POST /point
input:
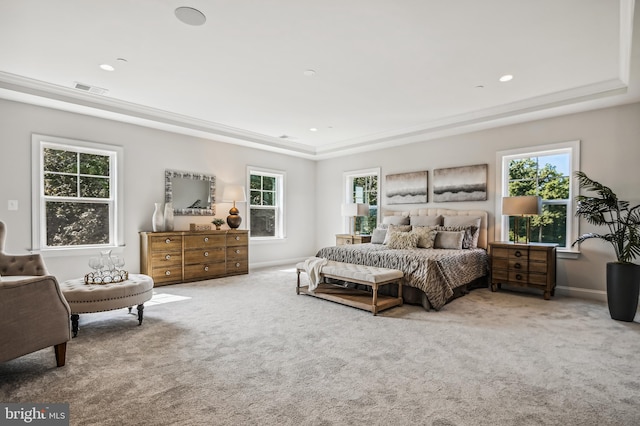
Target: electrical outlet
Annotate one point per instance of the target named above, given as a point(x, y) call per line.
point(12, 205)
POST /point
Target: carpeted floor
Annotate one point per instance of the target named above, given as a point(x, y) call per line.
point(247, 350)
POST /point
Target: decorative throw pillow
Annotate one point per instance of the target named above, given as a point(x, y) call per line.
point(403, 240)
point(378, 236)
point(426, 235)
point(425, 220)
point(394, 220)
point(395, 228)
point(471, 234)
point(449, 240)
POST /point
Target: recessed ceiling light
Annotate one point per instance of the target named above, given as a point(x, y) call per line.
point(107, 67)
point(190, 16)
point(309, 73)
point(313, 129)
point(506, 77)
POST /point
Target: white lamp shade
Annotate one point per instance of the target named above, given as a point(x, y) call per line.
point(525, 205)
point(355, 209)
point(233, 193)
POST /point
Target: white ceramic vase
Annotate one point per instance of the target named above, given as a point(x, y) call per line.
point(168, 216)
point(157, 220)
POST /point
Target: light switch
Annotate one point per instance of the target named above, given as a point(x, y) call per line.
point(13, 205)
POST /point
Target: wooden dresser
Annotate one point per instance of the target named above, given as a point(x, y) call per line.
point(524, 265)
point(181, 256)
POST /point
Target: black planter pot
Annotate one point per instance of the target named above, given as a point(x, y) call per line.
point(623, 286)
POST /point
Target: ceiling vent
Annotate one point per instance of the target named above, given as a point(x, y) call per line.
point(90, 89)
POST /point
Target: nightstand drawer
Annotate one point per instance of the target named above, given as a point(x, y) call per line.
point(518, 277)
point(522, 254)
point(539, 279)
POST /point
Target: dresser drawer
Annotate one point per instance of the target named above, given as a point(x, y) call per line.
point(538, 279)
point(167, 274)
point(237, 239)
point(166, 258)
point(518, 264)
point(499, 263)
point(203, 270)
point(238, 267)
point(203, 241)
point(172, 243)
point(237, 253)
point(538, 255)
point(499, 275)
point(538, 267)
point(212, 255)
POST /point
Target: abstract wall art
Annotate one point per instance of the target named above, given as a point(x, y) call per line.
point(467, 183)
point(407, 188)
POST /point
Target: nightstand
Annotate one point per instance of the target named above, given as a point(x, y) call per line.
point(343, 239)
point(524, 265)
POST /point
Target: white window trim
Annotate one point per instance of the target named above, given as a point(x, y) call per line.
point(502, 160)
point(346, 191)
point(281, 182)
point(39, 141)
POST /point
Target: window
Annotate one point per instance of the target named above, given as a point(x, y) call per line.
point(361, 186)
point(266, 198)
point(76, 197)
point(547, 172)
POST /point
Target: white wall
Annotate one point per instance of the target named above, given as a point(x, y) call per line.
point(610, 153)
point(147, 153)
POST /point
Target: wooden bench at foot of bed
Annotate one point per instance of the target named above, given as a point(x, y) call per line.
point(370, 276)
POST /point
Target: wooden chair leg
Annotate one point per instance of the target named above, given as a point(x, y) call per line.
point(61, 353)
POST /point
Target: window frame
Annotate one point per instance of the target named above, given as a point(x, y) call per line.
point(280, 176)
point(116, 214)
point(503, 158)
point(347, 179)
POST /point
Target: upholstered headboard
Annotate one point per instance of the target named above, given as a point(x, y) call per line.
point(482, 238)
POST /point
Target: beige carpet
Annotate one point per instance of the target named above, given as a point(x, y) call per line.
point(247, 350)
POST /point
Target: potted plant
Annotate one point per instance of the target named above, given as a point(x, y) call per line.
point(623, 222)
point(218, 222)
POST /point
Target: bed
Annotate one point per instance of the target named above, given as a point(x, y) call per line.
point(432, 276)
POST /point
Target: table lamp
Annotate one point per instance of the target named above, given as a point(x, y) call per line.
point(354, 210)
point(234, 193)
point(525, 205)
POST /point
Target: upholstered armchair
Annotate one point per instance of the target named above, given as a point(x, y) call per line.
point(33, 312)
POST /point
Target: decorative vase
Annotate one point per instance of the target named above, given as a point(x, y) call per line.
point(623, 287)
point(157, 220)
point(168, 216)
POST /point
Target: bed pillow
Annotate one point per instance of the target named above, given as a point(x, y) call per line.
point(395, 228)
point(449, 240)
point(378, 236)
point(403, 240)
point(394, 220)
point(426, 235)
point(461, 221)
point(471, 234)
point(425, 220)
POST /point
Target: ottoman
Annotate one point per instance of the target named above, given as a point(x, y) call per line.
point(90, 298)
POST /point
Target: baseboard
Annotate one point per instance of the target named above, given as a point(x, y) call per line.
point(281, 262)
point(583, 293)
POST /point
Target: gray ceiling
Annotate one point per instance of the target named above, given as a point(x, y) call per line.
point(386, 71)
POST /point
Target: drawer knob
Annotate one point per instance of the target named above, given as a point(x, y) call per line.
point(206, 268)
point(517, 266)
point(518, 254)
point(518, 277)
point(168, 240)
point(168, 257)
point(167, 273)
point(237, 238)
point(348, 242)
point(206, 239)
point(237, 265)
point(237, 251)
point(206, 253)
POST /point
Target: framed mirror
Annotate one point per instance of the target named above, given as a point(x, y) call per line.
point(192, 194)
